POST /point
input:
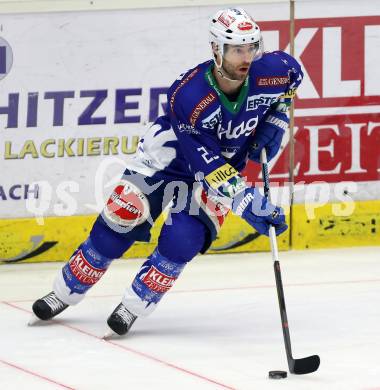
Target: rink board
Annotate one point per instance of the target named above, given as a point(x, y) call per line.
point(313, 227)
point(328, 229)
point(57, 238)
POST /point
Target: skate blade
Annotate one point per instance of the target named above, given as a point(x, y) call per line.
point(33, 320)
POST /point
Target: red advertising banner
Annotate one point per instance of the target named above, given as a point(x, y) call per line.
point(337, 109)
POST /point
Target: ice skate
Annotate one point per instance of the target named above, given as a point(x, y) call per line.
point(46, 308)
point(120, 321)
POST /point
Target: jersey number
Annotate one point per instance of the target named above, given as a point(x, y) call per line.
point(206, 155)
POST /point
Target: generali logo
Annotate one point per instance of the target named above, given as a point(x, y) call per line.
point(273, 81)
point(201, 106)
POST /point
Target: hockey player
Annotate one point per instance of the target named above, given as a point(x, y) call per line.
point(219, 114)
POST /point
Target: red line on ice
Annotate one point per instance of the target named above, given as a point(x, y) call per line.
point(34, 373)
point(258, 286)
point(134, 351)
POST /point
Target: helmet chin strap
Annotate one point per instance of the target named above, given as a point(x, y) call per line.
point(219, 68)
point(221, 74)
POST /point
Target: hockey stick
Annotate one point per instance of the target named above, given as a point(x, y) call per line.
point(296, 366)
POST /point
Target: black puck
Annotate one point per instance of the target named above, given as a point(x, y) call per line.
point(277, 374)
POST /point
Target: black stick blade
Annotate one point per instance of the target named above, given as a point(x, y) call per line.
point(305, 366)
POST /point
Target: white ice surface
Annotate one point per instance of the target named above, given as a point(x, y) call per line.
point(219, 328)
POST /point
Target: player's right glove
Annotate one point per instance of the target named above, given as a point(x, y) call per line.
point(259, 212)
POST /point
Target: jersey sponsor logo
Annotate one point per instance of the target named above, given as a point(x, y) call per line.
point(186, 128)
point(234, 186)
point(127, 205)
point(213, 119)
point(83, 270)
point(244, 129)
point(226, 19)
point(221, 175)
point(158, 281)
point(254, 101)
point(201, 106)
point(180, 85)
point(272, 81)
point(245, 26)
point(289, 94)
point(283, 107)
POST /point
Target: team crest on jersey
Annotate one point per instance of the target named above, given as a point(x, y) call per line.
point(212, 121)
point(244, 129)
point(127, 205)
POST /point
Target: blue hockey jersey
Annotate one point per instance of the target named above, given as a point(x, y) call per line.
point(203, 136)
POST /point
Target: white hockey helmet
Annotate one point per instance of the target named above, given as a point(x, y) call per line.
point(234, 26)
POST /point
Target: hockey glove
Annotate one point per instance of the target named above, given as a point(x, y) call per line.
point(268, 134)
point(259, 212)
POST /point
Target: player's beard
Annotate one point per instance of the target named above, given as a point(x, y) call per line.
point(234, 72)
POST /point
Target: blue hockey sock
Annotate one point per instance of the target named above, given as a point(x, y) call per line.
point(85, 267)
point(177, 245)
point(156, 276)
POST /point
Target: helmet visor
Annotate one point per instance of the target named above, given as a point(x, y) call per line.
point(244, 53)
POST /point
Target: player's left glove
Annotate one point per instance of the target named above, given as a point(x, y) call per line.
point(269, 134)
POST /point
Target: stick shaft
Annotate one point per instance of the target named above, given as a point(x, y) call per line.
point(272, 232)
point(284, 317)
point(277, 269)
point(291, 126)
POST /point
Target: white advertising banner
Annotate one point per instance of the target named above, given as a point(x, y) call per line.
point(77, 90)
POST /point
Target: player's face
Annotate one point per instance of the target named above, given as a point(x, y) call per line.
point(238, 59)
